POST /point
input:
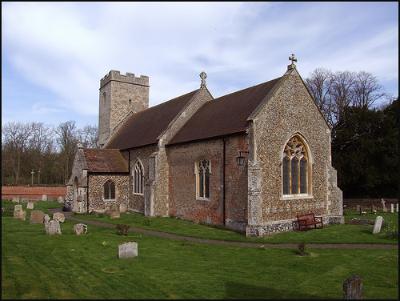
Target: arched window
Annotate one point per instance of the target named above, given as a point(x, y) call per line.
point(138, 178)
point(109, 190)
point(295, 169)
point(203, 171)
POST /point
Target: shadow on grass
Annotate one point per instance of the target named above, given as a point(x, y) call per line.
point(235, 290)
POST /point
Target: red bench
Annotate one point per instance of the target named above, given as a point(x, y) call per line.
point(308, 221)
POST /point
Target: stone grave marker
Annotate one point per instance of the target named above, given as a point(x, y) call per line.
point(384, 209)
point(397, 207)
point(358, 208)
point(128, 250)
point(44, 197)
point(113, 212)
point(352, 288)
point(46, 218)
point(37, 217)
point(15, 200)
point(378, 225)
point(391, 208)
point(60, 199)
point(122, 208)
point(53, 227)
point(59, 216)
point(373, 209)
point(30, 205)
point(80, 229)
point(19, 213)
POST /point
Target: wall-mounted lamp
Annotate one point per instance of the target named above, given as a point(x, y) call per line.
point(240, 159)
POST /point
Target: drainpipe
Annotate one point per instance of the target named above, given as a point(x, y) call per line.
point(87, 192)
point(223, 179)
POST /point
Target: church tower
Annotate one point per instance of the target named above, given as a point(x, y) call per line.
point(119, 96)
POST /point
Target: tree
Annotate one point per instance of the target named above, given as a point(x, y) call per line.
point(366, 90)
point(67, 142)
point(88, 136)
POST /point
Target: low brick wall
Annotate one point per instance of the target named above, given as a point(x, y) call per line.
point(352, 203)
point(33, 193)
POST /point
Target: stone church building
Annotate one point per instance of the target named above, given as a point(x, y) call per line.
point(249, 160)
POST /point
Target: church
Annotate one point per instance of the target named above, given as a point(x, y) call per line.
point(250, 161)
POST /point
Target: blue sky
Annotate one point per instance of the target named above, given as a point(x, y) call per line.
point(54, 54)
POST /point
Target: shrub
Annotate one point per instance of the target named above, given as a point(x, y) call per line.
point(122, 229)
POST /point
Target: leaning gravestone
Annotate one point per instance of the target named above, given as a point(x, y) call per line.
point(352, 288)
point(53, 227)
point(128, 250)
point(58, 216)
point(30, 205)
point(378, 225)
point(80, 229)
point(37, 217)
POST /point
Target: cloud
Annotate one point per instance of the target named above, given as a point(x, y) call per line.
point(65, 48)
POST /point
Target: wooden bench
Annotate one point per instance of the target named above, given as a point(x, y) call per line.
point(308, 221)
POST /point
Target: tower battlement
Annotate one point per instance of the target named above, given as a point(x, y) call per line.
point(115, 75)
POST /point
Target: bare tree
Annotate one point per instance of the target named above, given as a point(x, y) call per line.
point(367, 90)
point(88, 136)
point(67, 142)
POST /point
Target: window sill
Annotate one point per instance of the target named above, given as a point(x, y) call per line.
point(202, 199)
point(135, 193)
point(296, 197)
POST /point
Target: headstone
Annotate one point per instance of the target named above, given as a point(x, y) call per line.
point(122, 208)
point(60, 199)
point(128, 250)
point(19, 213)
point(37, 217)
point(352, 288)
point(359, 209)
point(53, 227)
point(58, 216)
point(384, 209)
point(30, 205)
point(80, 229)
point(114, 214)
point(391, 208)
point(15, 200)
point(397, 207)
point(46, 218)
point(44, 197)
point(373, 209)
point(378, 225)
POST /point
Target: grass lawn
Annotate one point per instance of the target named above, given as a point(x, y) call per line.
point(330, 234)
point(35, 265)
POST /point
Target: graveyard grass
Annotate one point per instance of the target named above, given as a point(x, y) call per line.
point(35, 265)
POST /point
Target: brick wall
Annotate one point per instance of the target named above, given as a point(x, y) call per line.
point(33, 193)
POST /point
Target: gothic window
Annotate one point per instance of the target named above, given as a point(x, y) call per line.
point(295, 168)
point(203, 171)
point(138, 178)
point(109, 190)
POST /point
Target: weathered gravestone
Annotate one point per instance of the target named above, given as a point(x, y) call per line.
point(378, 225)
point(30, 205)
point(19, 213)
point(397, 207)
point(391, 208)
point(122, 208)
point(128, 250)
point(60, 199)
point(352, 288)
point(15, 200)
point(80, 229)
point(44, 197)
point(46, 218)
point(384, 209)
point(358, 208)
point(113, 212)
point(52, 227)
point(58, 216)
point(37, 217)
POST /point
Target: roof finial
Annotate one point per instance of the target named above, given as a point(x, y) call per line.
point(203, 77)
point(293, 59)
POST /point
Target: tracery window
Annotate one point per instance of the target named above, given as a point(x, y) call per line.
point(203, 171)
point(295, 168)
point(138, 178)
point(109, 190)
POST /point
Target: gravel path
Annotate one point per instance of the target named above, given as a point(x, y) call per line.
point(70, 216)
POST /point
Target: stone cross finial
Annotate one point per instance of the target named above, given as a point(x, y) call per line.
point(203, 77)
point(293, 59)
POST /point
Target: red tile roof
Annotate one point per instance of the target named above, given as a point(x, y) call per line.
point(144, 127)
point(105, 160)
point(225, 115)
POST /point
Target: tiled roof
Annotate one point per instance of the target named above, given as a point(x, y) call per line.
point(225, 115)
point(105, 160)
point(144, 127)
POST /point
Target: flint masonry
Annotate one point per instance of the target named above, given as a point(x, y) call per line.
point(250, 160)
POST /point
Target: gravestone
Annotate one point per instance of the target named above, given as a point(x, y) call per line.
point(15, 200)
point(391, 208)
point(378, 225)
point(19, 213)
point(397, 207)
point(60, 199)
point(36, 217)
point(30, 205)
point(358, 208)
point(80, 229)
point(373, 209)
point(53, 227)
point(384, 209)
point(44, 197)
point(58, 216)
point(46, 218)
point(113, 212)
point(352, 288)
point(122, 208)
point(128, 250)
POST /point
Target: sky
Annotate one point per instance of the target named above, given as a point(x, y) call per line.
point(54, 54)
